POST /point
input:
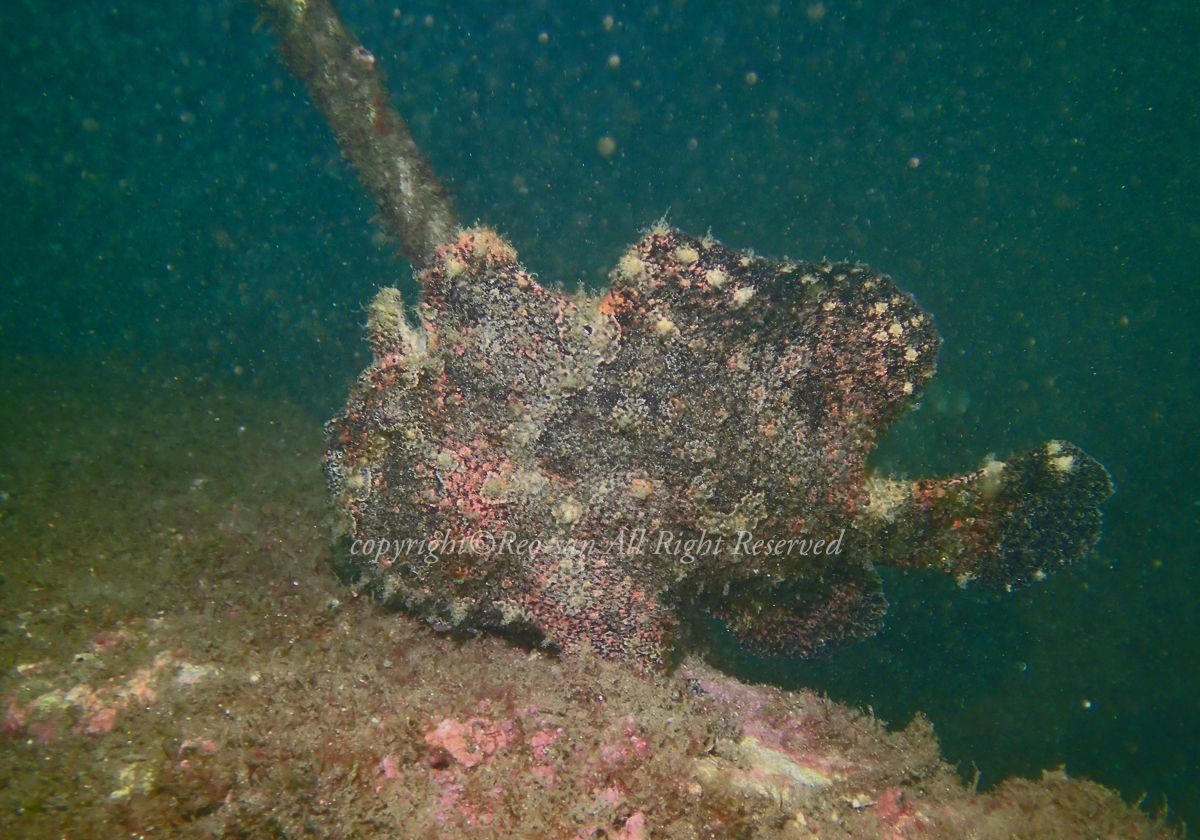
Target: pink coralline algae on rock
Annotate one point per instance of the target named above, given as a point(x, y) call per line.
point(598, 471)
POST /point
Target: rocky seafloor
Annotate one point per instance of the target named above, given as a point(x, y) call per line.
point(179, 660)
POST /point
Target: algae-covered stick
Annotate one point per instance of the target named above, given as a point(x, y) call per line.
point(343, 81)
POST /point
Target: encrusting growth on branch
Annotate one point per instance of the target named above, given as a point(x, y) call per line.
point(343, 81)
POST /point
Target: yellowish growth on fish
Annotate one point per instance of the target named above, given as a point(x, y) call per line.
point(993, 477)
point(490, 248)
point(745, 516)
point(742, 295)
point(660, 228)
point(494, 488)
point(1063, 463)
point(631, 268)
point(686, 256)
point(460, 608)
point(589, 323)
point(886, 497)
point(640, 489)
point(568, 512)
point(526, 483)
point(510, 612)
point(571, 380)
point(386, 314)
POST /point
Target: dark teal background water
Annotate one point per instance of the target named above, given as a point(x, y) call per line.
point(1027, 170)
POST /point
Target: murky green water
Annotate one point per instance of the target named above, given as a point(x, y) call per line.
point(1028, 171)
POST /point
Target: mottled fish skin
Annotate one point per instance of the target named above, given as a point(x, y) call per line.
point(1007, 525)
point(706, 394)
